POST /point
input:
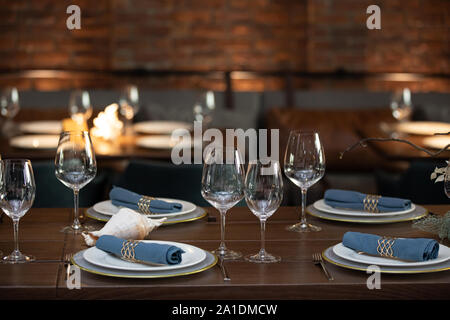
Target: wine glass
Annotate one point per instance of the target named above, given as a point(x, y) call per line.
point(304, 165)
point(223, 187)
point(263, 194)
point(75, 167)
point(204, 108)
point(129, 106)
point(17, 191)
point(9, 107)
point(401, 105)
point(80, 107)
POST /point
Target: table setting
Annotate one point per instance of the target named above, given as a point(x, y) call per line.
point(124, 241)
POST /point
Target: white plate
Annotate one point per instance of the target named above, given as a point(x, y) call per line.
point(422, 127)
point(35, 141)
point(322, 206)
point(107, 208)
point(44, 127)
point(438, 142)
point(192, 256)
point(161, 127)
point(206, 264)
point(163, 142)
point(197, 214)
point(350, 254)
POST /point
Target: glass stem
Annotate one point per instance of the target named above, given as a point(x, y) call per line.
point(222, 247)
point(303, 214)
point(262, 251)
point(76, 223)
point(16, 238)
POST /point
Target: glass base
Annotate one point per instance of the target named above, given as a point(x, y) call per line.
point(303, 227)
point(265, 258)
point(227, 254)
point(18, 258)
point(77, 230)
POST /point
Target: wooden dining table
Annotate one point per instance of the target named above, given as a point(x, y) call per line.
point(295, 277)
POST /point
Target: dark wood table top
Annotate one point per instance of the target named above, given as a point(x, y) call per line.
point(397, 150)
point(295, 277)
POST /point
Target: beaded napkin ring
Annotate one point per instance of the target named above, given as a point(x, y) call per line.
point(371, 203)
point(384, 247)
point(144, 204)
point(127, 250)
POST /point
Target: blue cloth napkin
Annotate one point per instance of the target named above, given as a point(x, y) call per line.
point(125, 198)
point(354, 200)
point(146, 252)
point(418, 249)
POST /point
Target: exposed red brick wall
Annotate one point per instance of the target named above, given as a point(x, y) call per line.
point(212, 35)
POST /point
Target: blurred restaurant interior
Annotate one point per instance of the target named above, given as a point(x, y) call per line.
point(274, 64)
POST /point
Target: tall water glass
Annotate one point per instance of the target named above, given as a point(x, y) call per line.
point(9, 107)
point(263, 194)
point(223, 188)
point(304, 165)
point(17, 191)
point(204, 108)
point(75, 167)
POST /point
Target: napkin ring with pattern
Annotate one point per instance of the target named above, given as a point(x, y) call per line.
point(371, 203)
point(144, 204)
point(384, 247)
point(127, 250)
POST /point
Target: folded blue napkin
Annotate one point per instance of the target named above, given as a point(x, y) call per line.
point(125, 198)
point(140, 251)
point(418, 249)
point(355, 200)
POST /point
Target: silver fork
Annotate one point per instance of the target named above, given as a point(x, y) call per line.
point(68, 263)
point(317, 259)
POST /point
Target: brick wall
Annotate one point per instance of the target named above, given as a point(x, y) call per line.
point(214, 35)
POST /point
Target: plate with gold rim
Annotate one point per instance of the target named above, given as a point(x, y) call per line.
point(422, 127)
point(42, 127)
point(350, 254)
point(418, 213)
point(161, 127)
point(109, 209)
point(37, 141)
point(332, 258)
point(322, 206)
point(191, 256)
point(197, 214)
point(438, 142)
point(209, 262)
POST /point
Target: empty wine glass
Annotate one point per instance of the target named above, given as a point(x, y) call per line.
point(17, 191)
point(401, 105)
point(129, 106)
point(80, 107)
point(263, 194)
point(304, 165)
point(223, 187)
point(204, 108)
point(9, 107)
point(75, 167)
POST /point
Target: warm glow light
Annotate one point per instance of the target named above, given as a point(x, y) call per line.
point(107, 124)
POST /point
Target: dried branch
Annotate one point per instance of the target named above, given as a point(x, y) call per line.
point(362, 143)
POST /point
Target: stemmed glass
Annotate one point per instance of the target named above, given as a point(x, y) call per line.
point(80, 107)
point(263, 194)
point(304, 165)
point(204, 108)
point(401, 105)
point(129, 106)
point(17, 190)
point(223, 187)
point(75, 167)
point(9, 107)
